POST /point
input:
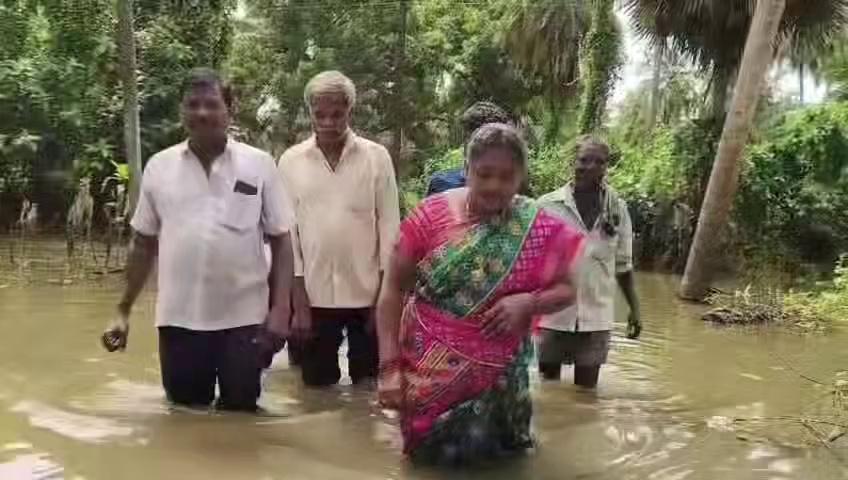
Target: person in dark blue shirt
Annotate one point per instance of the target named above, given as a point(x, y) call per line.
point(446, 180)
point(475, 117)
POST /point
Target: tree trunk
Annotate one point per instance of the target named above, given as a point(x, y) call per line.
point(724, 179)
point(400, 72)
point(129, 80)
point(801, 73)
point(721, 81)
point(656, 83)
point(603, 45)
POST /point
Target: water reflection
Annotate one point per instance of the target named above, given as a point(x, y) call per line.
point(665, 409)
point(30, 465)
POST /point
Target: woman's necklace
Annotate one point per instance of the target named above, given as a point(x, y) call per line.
point(496, 218)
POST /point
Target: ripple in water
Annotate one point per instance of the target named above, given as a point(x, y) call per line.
point(17, 461)
point(84, 428)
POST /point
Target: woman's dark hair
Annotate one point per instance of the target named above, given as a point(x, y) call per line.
point(207, 78)
point(497, 135)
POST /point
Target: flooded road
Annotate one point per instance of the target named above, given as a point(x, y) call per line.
point(664, 410)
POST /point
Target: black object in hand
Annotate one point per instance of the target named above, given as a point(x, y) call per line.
point(114, 340)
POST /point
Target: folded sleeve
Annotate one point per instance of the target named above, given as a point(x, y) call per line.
point(284, 169)
point(624, 249)
point(277, 214)
point(146, 219)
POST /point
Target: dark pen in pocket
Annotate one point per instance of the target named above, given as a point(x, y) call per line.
point(245, 188)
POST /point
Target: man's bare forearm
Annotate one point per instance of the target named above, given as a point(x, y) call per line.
point(628, 288)
point(282, 271)
point(389, 310)
point(139, 264)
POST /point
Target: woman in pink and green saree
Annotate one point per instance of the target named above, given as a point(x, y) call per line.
point(472, 267)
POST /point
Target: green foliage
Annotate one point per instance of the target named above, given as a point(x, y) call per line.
point(15, 17)
point(58, 94)
point(834, 68)
point(414, 187)
point(681, 94)
point(650, 170)
point(603, 61)
point(543, 38)
point(447, 160)
point(549, 168)
point(669, 164)
point(16, 156)
point(797, 177)
point(60, 100)
point(829, 303)
point(172, 38)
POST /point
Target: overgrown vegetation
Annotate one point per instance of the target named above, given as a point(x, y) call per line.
point(554, 65)
point(828, 303)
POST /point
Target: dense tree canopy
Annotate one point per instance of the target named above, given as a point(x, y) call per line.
point(417, 65)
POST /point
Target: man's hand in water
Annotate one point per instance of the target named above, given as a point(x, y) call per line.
point(117, 333)
point(634, 325)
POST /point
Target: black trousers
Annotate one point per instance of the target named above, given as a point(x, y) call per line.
point(319, 356)
point(194, 361)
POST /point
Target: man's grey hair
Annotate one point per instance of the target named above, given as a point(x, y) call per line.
point(497, 135)
point(329, 83)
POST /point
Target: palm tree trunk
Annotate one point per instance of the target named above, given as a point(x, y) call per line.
point(720, 84)
point(127, 61)
point(656, 83)
point(801, 73)
point(724, 179)
point(603, 44)
point(400, 63)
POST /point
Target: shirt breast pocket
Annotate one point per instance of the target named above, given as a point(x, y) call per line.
point(602, 253)
point(241, 211)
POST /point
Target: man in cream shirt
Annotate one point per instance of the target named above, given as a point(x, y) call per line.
point(581, 333)
point(345, 199)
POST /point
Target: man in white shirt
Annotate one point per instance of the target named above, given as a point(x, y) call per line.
point(581, 333)
point(345, 200)
point(204, 208)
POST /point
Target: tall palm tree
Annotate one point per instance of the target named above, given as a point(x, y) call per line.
point(566, 44)
point(129, 80)
point(602, 54)
point(543, 39)
point(712, 33)
point(757, 58)
point(726, 37)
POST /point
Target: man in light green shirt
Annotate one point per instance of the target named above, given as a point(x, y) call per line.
point(580, 334)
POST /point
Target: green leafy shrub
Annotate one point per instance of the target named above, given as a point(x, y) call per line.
point(826, 304)
point(794, 191)
point(549, 168)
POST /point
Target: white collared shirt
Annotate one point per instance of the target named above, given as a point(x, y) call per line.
point(213, 274)
point(347, 220)
point(604, 257)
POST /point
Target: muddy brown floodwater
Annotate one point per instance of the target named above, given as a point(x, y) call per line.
point(664, 410)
